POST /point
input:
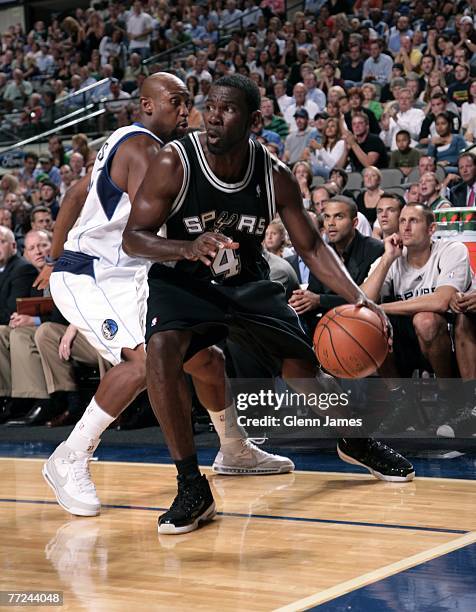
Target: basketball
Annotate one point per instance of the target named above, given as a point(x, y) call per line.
point(350, 341)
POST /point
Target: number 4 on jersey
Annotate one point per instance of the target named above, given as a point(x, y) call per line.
point(226, 263)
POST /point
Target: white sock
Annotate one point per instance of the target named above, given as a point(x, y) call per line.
point(89, 428)
point(226, 425)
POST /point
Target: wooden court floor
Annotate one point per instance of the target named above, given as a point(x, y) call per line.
point(287, 542)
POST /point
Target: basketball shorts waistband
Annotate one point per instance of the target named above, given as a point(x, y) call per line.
point(76, 263)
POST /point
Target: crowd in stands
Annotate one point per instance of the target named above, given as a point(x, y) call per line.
point(372, 104)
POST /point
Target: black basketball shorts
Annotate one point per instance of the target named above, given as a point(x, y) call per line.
point(255, 315)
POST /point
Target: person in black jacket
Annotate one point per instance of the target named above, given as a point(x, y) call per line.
point(358, 252)
point(464, 193)
point(21, 375)
point(16, 276)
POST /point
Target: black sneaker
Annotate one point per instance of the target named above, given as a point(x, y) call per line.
point(380, 460)
point(463, 425)
point(193, 504)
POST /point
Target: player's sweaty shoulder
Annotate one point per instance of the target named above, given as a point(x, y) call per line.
point(169, 161)
point(135, 155)
point(140, 146)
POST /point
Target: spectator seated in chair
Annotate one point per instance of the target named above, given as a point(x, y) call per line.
point(463, 424)
point(463, 194)
point(356, 251)
point(416, 279)
point(21, 374)
point(389, 208)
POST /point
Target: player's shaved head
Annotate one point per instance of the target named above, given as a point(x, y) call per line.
point(164, 105)
point(157, 83)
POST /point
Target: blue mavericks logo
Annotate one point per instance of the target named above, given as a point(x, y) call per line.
point(109, 329)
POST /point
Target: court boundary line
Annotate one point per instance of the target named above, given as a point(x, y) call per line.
point(373, 576)
point(271, 517)
point(209, 467)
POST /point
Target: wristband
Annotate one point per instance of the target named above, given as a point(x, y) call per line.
point(49, 261)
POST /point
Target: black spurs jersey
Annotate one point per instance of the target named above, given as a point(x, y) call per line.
point(241, 211)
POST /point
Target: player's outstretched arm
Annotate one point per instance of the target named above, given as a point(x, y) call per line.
point(70, 210)
point(150, 209)
point(319, 258)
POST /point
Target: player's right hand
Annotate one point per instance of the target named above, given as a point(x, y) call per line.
point(386, 325)
point(43, 279)
point(205, 247)
point(393, 246)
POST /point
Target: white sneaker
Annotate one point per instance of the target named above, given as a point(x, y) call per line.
point(246, 458)
point(67, 473)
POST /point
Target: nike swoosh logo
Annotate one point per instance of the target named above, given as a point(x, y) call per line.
point(57, 478)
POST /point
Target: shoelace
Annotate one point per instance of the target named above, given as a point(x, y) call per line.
point(248, 445)
point(82, 475)
point(186, 499)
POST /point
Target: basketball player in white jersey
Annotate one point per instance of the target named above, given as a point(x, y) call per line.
point(102, 291)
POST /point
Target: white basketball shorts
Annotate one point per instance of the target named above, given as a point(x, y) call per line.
point(109, 308)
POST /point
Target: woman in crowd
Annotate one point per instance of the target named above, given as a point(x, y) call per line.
point(435, 78)
point(80, 144)
point(468, 109)
point(303, 173)
point(446, 147)
point(8, 184)
point(325, 156)
point(369, 91)
point(55, 147)
point(193, 85)
point(369, 197)
point(275, 238)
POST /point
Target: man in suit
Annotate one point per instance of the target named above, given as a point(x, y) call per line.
point(16, 276)
point(464, 193)
point(16, 279)
point(298, 265)
point(358, 252)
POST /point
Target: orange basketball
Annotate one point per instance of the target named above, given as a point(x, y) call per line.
point(350, 341)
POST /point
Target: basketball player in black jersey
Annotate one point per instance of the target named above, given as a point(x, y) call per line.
point(216, 192)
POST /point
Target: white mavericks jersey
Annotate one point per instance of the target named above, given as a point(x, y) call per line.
point(99, 228)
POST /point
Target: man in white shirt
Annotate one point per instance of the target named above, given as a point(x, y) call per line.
point(284, 101)
point(416, 278)
point(300, 101)
point(407, 118)
point(139, 30)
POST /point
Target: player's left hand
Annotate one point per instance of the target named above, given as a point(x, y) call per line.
point(303, 300)
point(364, 301)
